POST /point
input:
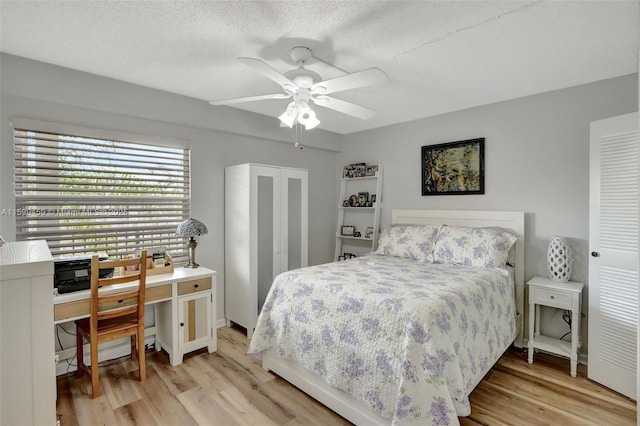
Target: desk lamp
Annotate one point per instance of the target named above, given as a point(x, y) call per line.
point(191, 228)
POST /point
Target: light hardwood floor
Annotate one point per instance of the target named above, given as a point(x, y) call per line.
point(230, 388)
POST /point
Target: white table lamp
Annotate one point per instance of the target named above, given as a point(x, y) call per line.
point(191, 228)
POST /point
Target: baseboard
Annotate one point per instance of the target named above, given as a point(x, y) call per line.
point(583, 358)
point(109, 350)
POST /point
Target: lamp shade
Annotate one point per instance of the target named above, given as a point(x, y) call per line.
point(191, 228)
point(289, 116)
point(308, 118)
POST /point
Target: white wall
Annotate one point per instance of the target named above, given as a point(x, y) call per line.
point(536, 161)
point(218, 137)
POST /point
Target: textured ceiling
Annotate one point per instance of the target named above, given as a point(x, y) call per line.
point(439, 56)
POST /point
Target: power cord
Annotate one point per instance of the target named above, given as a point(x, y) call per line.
point(566, 317)
point(68, 361)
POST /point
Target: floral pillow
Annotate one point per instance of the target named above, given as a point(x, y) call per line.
point(408, 241)
point(482, 247)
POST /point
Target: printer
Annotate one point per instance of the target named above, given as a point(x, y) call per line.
point(74, 273)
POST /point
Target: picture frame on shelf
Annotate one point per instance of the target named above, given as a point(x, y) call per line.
point(369, 232)
point(353, 201)
point(347, 230)
point(355, 170)
point(345, 203)
point(371, 170)
point(363, 199)
point(373, 198)
point(357, 234)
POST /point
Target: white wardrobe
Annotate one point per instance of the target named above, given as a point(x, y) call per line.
point(266, 233)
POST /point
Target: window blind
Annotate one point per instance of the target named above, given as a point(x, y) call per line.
point(86, 195)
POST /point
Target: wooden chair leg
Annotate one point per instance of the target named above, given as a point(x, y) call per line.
point(95, 378)
point(134, 352)
point(79, 354)
point(141, 358)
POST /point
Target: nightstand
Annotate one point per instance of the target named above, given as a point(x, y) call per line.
point(566, 296)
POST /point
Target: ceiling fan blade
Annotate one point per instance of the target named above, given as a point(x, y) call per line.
point(354, 80)
point(250, 99)
point(268, 71)
point(344, 107)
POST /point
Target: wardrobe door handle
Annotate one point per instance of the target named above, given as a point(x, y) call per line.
point(195, 286)
point(181, 324)
point(595, 254)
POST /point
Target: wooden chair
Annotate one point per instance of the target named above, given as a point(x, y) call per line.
point(113, 315)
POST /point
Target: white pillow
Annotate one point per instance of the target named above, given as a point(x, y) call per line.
point(408, 241)
point(482, 247)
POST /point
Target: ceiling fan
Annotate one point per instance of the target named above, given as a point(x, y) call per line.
point(305, 86)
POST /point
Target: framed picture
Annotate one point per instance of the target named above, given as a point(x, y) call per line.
point(369, 232)
point(353, 201)
point(363, 199)
point(355, 170)
point(347, 230)
point(453, 168)
point(373, 198)
point(371, 170)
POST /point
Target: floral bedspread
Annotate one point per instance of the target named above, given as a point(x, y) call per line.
point(408, 339)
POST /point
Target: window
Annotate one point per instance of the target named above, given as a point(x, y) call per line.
point(86, 195)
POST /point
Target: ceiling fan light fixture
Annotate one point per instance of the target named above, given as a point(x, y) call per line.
point(288, 117)
point(307, 117)
point(299, 111)
point(304, 114)
point(312, 123)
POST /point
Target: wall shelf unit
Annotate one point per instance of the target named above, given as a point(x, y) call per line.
point(359, 217)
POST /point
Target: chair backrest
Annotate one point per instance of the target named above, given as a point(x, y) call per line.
point(120, 303)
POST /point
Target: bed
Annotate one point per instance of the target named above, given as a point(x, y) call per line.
point(401, 339)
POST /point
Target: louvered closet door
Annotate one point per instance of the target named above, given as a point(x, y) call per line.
point(613, 265)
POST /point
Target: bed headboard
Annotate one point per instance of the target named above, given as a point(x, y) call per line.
point(513, 221)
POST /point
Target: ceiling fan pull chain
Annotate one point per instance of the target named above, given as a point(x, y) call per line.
point(297, 144)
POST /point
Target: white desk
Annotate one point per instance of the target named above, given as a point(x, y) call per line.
point(185, 311)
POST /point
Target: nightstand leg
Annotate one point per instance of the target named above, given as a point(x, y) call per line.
point(575, 336)
point(532, 313)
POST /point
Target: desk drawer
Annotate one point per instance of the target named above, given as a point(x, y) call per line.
point(553, 298)
point(80, 308)
point(194, 286)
